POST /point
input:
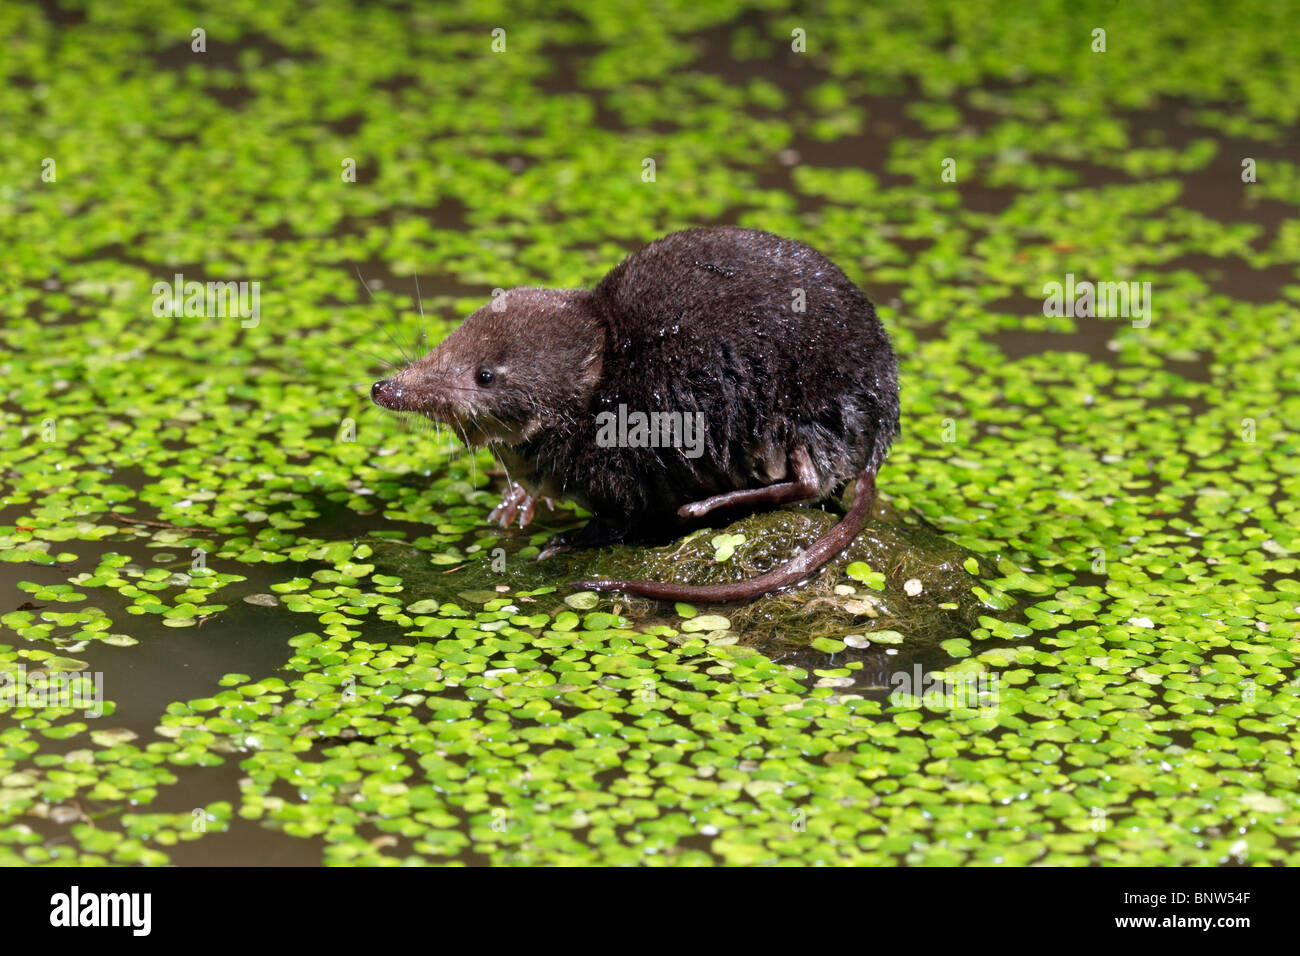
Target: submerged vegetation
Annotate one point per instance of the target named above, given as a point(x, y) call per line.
point(1068, 636)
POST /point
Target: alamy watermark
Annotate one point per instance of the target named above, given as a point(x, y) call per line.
point(945, 691)
point(132, 911)
point(209, 299)
point(41, 689)
point(1084, 300)
point(624, 429)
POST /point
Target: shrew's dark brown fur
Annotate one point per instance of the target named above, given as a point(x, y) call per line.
point(794, 403)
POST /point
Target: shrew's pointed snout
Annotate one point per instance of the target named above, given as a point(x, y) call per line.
point(387, 394)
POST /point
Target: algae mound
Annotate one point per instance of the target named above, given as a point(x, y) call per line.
point(900, 575)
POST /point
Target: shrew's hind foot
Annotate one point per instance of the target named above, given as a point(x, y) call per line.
point(805, 484)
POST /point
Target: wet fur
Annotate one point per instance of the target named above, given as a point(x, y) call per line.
point(702, 320)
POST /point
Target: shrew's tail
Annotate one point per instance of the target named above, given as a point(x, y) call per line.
point(822, 550)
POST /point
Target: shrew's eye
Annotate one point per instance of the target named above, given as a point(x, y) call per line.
point(485, 376)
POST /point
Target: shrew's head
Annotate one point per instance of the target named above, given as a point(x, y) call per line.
point(527, 361)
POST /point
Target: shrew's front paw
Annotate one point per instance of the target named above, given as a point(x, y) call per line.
point(516, 503)
point(555, 544)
